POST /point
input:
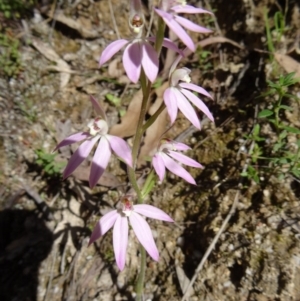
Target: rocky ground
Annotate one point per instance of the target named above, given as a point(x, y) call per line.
point(49, 67)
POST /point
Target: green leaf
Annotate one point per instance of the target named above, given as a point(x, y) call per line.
point(158, 83)
point(149, 184)
point(113, 99)
point(283, 134)
point(256, 130)
point(283, 161)
point(286, 108)
point(265, 113)
point(291, 129)
point(296, 173)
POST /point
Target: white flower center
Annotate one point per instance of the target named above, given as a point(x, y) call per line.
point(127, 207)
point(98, 126)
point(181, 74)
point(137, 23)
point(166, 146)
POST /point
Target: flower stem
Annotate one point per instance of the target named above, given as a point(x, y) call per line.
point(132, 177)
point(141, 278)
point(152, 119)
point(146, 87)
point(141, 127)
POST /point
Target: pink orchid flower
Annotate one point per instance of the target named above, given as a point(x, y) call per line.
point(163, 159)
point(98, 131)
point(177, 96)
point(169, 13)
point(137, 54)
point(118, 219)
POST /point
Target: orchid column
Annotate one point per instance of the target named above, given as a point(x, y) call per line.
point(141, 64)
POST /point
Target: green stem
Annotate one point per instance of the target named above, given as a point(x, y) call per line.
point(152, 119)
point(141, 278)
point(133, 181)
point(139, 131)
point(277, 109)
point(146, 88)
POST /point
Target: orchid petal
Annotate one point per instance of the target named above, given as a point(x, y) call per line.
point(152, 212)
point(132, 58)
point(111, 50)
point(186, 108)
point(171, 45)
point(180, 146)
point(104, 224)
point(177, 169)
point(171, 103)
point(176, 28)
point(184, 159)
point(198, 103)
point(191, 26)
point(195, 88)
point(176, 62)
point(149, 61)
point(121, 148)
point(78, 157)
point(100, 161)
point(168, 44)
point(159, 166)
point(188, 9)
point(72, 139)
point(120, 240)
point(97, 108)
point(144, 234)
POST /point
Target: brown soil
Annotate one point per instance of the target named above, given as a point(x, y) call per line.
point(46, 222)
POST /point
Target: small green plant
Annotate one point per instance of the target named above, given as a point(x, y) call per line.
point(204, 60)
point(15, 8)
point(47, 162)
point(274, 35)
point(279, 157)
point(279, 90)
point(10, 59)
point(252, 170)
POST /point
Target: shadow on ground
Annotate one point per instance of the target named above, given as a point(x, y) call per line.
point(25, 241)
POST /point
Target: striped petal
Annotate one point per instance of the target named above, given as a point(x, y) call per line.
point(72, 139)
point(195, 88)
point(78, 157)
point(120, 240)
point(177, 169)
point(149, 61)
point(152, 212)
point(184, 159)
point(111, 50)
point(188, 9)
point(198, 103)
point(144, 234)
point(121, 148)
point(171, 103)
point(100, 161)
point(98, 108)
point(159, 166)
point(191, 26)
point(186, 108)
point(105, 223)
point(132, 59)
point(176, 28)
